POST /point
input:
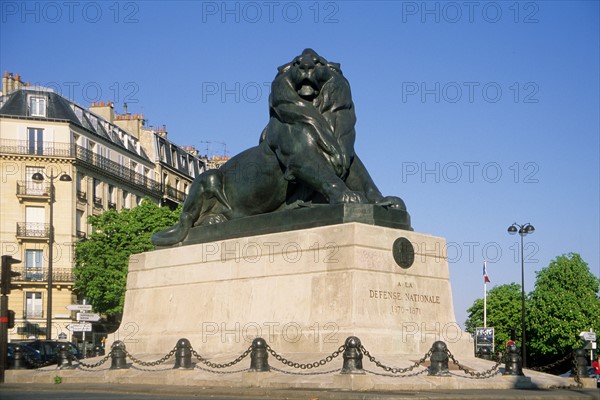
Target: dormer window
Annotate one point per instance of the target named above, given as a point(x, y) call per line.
point(37, 106)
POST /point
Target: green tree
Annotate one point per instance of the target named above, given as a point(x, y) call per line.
point(101, 261)
point(503, 313)
point(563, 303)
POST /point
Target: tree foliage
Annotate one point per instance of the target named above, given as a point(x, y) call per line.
point(563, 303)
point(101, 261)
point(503, 313)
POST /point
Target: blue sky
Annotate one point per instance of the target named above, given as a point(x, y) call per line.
point(478, 115)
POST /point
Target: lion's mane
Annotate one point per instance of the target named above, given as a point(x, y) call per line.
point(328, 119)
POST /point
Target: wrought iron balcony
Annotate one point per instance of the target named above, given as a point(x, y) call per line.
point(174, 194)
point(32, 189)
point(86, 157)
point(81, 235)
point(112, 205)
point(33, 230)
point(97, 202)
point(29, 274)
point(81, 196)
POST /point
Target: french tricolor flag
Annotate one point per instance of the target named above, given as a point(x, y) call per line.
point(486, 278)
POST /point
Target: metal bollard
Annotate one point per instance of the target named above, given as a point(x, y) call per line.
point(580, 363)
point(485, 353)
point(352, 357)
point(259, 356)
point(183, 355)
point(98, 351)
point(439, 359)
point(118, 356)
point(64, 357)
point(20, 362)
point(513, 361)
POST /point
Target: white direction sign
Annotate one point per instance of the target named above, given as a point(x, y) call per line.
point(80, 327)
point(590, 336)
point(81, 316)
point(79, 307)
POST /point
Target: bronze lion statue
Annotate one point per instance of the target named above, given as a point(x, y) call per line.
point(305, 155)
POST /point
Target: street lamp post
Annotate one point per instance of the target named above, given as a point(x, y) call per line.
point(523, 230)
point(39, 177)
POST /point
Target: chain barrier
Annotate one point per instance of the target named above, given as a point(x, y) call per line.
point(283, 371)
point(97, 364)
point(315, 364)
point(575, 370)
point(220, 366)
point(479, 375)
point(392, 369)
point(151, 363)
point(212, 371)
point(397, 376)
point(552, 365)
point(35, 363)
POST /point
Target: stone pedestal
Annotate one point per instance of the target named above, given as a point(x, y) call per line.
point(303, 291)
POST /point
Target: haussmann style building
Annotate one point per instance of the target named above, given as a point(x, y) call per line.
point(96, 160)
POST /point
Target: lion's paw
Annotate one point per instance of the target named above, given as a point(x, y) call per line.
point(392, 202)
point(348, 196)
point(214, 219)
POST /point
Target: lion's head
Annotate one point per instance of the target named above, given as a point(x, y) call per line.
point(308, 73)
point(311, 96)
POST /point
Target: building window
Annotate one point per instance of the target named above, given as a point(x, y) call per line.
point(37, 106)
point(126, 199)
point(97, 194)
point(33, 305)
point(35, 141)
point(34, 265)
point(34, 187)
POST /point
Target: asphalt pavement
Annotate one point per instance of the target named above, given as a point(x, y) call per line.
point(139, 392)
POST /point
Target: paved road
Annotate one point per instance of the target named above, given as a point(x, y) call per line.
point(138, 392)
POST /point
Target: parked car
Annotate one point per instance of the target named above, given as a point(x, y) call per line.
point(591, 373)
point(47, 350)
point(32, 357)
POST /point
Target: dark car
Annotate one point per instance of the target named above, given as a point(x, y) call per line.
point(31, 357)
point(591, 373)
point(47, 350)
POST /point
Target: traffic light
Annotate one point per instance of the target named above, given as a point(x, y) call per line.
point(11, 319)
point(7, 273)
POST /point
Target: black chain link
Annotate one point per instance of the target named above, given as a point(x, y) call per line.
point(35, 363)
point(305, 373)
point(397, 376)
point(219, 366)
point(554, 364)
point(576, 372)
point(315, 364)
point(392, 369)
point(99, 363)
point(479, 375)
point(151, 363)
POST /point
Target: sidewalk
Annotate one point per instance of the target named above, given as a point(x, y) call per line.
point(16, 391)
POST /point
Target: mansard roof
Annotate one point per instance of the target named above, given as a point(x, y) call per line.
point(60, 109)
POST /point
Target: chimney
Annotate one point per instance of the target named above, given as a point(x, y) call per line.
point(11, 82)
point(104, 109)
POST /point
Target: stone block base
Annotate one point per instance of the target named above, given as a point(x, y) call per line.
point(303, 291)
